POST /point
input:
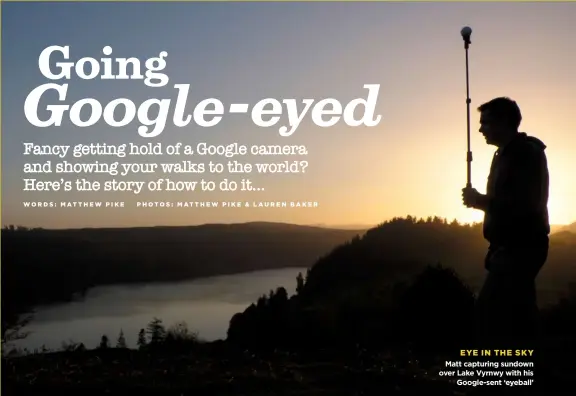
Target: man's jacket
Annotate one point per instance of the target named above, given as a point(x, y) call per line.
point(517, 210)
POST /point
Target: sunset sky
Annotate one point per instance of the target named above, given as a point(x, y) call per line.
point(412, 163)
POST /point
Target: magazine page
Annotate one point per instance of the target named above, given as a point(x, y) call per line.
point(288, 198)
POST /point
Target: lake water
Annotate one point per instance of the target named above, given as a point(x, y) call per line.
point(206, 305)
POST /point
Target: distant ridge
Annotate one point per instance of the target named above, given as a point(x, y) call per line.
point(554, 228)
point(570, 228)
point(345, 226)
point(563, 228)
point(269, 224)
point(259, 224)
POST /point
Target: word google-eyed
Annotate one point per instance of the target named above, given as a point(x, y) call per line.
point(207, 113)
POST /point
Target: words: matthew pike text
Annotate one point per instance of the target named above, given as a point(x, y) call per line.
point(73, 204)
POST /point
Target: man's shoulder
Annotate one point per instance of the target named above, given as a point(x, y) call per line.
point(528, 147)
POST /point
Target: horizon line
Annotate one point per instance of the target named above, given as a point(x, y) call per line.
point(346, 227)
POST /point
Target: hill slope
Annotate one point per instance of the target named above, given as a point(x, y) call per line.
point(50, 265)
point(388, 287)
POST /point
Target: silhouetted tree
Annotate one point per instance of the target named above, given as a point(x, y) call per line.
point(141, 339)
point(299, 283)
point(262, 301)
point(180, 331)
point(156, 331)
point(104, 342)
point(13, 323)
point(180, 338)
point(278, 299)
point(72, 346)
point(121, 343)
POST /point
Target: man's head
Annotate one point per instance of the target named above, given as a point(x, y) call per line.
point(500, 119)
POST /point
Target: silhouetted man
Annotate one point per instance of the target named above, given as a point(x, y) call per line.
point(516, 224)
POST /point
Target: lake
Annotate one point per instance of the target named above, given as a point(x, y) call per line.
point(206, 305)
